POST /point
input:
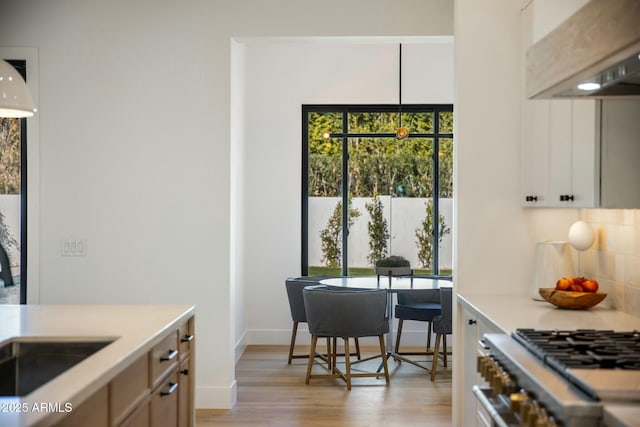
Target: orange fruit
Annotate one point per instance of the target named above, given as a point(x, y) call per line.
point(563, 284)
point(590, 285)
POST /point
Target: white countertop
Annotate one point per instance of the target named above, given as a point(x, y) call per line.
point(135, 328)
point(510, 312)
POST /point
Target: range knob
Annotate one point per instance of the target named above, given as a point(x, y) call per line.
point(515, 401)
point(496, 382)
point(533, 414)
point(508, 385)
point(525, 407)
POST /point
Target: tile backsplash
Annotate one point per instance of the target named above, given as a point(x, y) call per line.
point(614, 258)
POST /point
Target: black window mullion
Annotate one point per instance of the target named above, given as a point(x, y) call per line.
point(435, 196)
point(304, 232)
point(345, 195)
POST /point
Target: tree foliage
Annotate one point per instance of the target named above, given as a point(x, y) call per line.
point(424, 235)
point(378, 231)
point(383, 166)
point(9, 156)
point(331, 236)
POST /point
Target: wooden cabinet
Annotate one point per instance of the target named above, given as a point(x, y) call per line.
point(164, 402)
point(560, 144)
point(155, 390)
point(92, 412)
point(473, 327)
point(129, 390)
point(185, 409)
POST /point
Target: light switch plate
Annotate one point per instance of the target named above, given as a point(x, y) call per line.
point(74, 247)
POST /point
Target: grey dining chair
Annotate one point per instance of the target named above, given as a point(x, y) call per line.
point(294, 287)
point(346, 313)
point(419, 305)
point(442, 326)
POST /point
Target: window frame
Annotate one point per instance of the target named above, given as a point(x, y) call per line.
point(346, 109)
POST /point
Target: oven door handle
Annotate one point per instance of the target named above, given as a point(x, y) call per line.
point(489, 408)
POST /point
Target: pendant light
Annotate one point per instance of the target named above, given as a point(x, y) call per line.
point(402, 131)
point(15, 97)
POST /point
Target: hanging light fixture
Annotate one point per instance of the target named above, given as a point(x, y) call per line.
point(402, 131)
point(15, 97)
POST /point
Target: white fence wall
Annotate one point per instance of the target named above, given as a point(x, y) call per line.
point(403, 215)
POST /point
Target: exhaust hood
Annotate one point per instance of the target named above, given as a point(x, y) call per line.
point(595, 53)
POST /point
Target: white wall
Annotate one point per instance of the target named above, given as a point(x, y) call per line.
point(280, 78)
point(135, 156)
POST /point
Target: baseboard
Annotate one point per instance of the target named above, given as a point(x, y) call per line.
point(216, 397)
point(240, 347)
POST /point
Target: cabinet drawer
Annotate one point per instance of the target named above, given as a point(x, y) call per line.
point(163, 357)
point(164, 402)
point(128, 389)
point(140, 417)
point(186, 337)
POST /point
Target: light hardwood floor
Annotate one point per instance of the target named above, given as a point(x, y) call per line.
point(273, 393)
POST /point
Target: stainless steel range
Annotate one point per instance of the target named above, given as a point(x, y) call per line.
point(543, 378)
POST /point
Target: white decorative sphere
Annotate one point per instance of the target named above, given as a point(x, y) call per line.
point(581, 236)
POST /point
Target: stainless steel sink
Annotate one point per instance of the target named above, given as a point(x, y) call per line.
point(26, 365)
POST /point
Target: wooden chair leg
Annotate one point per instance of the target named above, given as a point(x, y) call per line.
point(400, 321)
point(428, 336)
point(434, 363)
point(444, 347)
point(312, 353)
point(383, 353)
point(293, 341)
point(334, 355)
point(357, 347)
point(347, 362)
point(330, 360)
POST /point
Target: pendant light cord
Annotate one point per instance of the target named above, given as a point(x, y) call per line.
point(400, 86)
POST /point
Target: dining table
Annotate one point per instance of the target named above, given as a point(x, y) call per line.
point(392, 284)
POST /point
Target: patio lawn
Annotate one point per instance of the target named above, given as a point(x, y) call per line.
point(316, 270)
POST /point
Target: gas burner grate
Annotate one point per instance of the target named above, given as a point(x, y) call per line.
point(583, 348)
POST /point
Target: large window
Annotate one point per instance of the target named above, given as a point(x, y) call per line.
point(367, 194)
point(13, 192)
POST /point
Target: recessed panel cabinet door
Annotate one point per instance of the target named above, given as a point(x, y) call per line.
point(164, 403)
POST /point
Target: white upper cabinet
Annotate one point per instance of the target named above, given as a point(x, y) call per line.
point(560, 141)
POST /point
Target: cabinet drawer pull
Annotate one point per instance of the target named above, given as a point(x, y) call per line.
point(185, 372)
point(172, 387)
point(472, 322)
point(566, 197)
point(186, 338)
point(172, 354)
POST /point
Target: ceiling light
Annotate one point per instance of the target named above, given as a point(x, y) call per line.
point(589, 86)
point(402, 132)
point(15, 97)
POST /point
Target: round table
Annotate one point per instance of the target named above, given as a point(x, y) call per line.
point(403, 283)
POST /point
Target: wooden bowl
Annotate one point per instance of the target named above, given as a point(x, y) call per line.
point(571, 300)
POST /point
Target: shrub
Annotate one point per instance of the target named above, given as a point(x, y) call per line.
point(378, 230)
